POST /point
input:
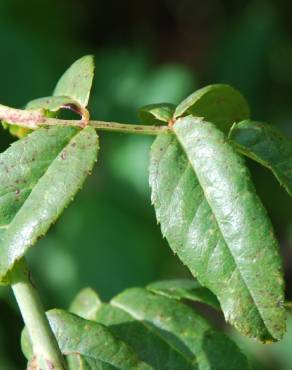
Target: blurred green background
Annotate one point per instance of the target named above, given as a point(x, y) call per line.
point(146, 51)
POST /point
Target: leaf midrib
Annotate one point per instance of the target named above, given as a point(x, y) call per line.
point(222, 235)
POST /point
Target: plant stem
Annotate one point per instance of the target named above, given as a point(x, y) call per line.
point(45, 347)
point(110, 126)
point(32, 119)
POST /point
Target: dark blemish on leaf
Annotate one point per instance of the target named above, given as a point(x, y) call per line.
point(73, 145)
point(17, 191)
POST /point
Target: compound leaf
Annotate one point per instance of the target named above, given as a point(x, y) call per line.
point(267, 146)
point(213, 219)
point(218, 103)
point(40, 174)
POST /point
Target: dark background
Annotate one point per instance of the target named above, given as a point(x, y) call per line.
point(146, 51)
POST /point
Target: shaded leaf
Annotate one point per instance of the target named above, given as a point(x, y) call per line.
point(76, 82)
point(213, 219)
point(267, 146)
point(219, 103)
point(93, 342)
point(185, 289)
point(165, 334)
point(40, 174)
point(168, 334)
point(156, 114)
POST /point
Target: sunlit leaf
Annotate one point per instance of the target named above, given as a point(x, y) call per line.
point(72, 92)
point(213, 219)
point(40, 175)
point(76, 82)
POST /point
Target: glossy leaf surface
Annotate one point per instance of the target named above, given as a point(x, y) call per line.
point(213, 219)
point(40, 175)
point(219, 103)
point(185, 289)
point(266, 145)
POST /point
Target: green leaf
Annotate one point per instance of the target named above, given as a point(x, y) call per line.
point(40, 175)
point(213, 219)
point(86, 304)
point(76, 82)
point(15, 130)
point(163, 332)
point(72, 92)
point(156, 114)
point(267, 146)
point(96, 345)
point(167, 334)
point(220, 104)
point(53, 103)
point(184, 289)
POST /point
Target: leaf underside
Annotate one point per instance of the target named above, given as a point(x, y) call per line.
point(266, 145)
point(212, 218)
point(40, 175)
point(163, 332)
